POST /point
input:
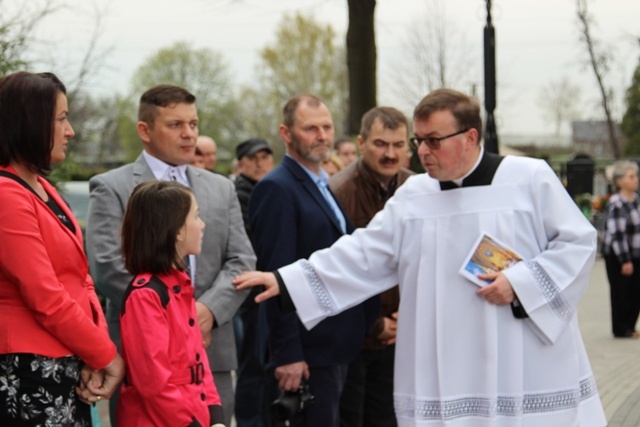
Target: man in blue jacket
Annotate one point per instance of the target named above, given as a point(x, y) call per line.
point(293, 214)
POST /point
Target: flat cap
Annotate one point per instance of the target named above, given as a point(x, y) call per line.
point(251, 147)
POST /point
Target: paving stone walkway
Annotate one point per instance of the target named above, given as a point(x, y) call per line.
point(615, 362)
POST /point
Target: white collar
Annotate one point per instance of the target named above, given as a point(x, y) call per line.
point(161, 170)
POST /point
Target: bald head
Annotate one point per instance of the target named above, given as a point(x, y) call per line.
point(207, 146)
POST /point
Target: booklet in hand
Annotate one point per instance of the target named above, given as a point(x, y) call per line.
point(488, 255)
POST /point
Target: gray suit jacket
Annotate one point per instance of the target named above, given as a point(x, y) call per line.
point(226, 250)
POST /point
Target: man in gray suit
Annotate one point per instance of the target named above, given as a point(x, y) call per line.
point(168, 128)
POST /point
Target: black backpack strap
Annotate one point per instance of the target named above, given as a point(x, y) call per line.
point(19, 180)
point(154, 283)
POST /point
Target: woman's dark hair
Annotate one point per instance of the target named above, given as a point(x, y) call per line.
point(27, 110)
point(156, 212)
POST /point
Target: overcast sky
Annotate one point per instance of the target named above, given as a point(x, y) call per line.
point(537, 42)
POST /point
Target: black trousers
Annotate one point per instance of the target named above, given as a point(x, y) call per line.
point(367, 398)
point(625, 296)
point(251, 406)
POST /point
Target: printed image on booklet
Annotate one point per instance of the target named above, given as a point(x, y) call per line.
point(488, 255)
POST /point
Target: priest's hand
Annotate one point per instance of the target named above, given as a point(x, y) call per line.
point(258, 278)
point(389, 329)
point(289, 376)
point(499, 291)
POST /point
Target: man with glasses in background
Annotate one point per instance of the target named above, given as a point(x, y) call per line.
point(508, 352)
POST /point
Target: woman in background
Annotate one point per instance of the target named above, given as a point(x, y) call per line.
point(52, 330)
point(621, 249)
point(332, 165)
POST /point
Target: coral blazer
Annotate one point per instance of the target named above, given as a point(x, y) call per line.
point(48, 305)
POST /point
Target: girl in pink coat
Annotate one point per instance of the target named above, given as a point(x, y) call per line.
point(168, 381)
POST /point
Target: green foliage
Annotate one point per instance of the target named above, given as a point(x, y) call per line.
point(631, 120)
point(64, 171)
point(16, 31)
point(584, 202)
point(9, 61)
point(202, 71)
point(127, 133)
point(95, 121)
point(261, 114)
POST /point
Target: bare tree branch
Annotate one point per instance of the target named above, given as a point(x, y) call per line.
point(436, 54)
point(559, 102)
point(16, 30)
point(94, 57)
point(600, 64)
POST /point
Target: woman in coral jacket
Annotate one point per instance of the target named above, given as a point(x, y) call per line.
point(168, 382)
point(52, 330)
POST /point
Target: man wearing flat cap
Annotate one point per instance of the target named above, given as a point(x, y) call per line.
point(255, 160)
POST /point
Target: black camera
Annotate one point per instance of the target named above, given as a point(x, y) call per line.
point(291, 402)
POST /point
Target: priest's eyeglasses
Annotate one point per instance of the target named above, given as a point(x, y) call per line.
point(433, 142)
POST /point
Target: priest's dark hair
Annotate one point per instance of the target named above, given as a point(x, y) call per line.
point(464, 108)
point(156, 212)
point(27, 110)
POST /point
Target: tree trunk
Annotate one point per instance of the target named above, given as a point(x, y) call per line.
point(598, 64)
point(361, 61)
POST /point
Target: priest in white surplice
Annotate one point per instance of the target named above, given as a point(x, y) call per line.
point(508, 354)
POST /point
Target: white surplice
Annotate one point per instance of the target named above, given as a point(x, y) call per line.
point(461, 361)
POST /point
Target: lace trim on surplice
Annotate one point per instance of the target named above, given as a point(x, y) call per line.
point(551, 292)
point(502, 406)
point(318, 288)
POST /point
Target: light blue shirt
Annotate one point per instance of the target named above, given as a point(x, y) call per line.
point(322, 182)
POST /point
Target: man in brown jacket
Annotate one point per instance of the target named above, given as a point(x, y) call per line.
point(362, 188)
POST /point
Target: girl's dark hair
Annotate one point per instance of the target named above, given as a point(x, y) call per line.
point(156, 212)
point(27, 109)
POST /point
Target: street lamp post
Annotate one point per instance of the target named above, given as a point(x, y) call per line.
point(490, 134)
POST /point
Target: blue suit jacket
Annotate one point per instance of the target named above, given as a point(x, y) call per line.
point(290, 219)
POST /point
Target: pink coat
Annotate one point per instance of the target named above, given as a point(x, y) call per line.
point(168, 380)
